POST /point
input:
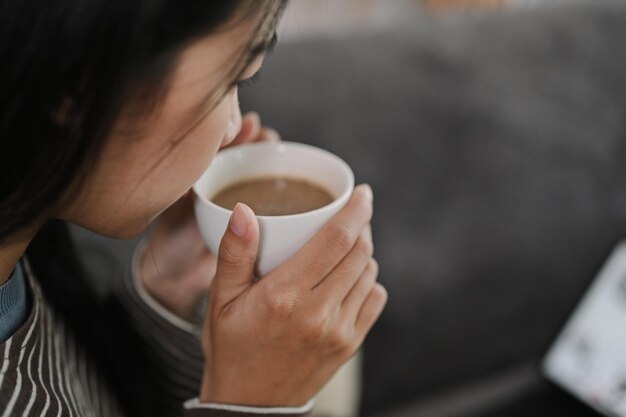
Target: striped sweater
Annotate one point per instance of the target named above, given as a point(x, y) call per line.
point(156, 364)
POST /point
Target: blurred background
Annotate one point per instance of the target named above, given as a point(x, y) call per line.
point(494, 136)
point(305, 18)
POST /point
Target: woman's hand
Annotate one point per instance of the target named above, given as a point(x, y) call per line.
point(175, 267)
point(277, 341)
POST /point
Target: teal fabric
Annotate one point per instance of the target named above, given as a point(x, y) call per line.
point(13, 303)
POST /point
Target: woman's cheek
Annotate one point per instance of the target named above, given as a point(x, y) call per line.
point(209, 136)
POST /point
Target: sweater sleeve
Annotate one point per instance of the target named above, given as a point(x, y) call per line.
point(173, 349)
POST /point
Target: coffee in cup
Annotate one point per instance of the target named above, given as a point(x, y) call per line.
point(274, 196)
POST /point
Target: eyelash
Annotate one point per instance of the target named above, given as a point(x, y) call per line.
point(248, 81)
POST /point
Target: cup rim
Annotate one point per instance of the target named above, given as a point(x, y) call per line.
point(287, 144)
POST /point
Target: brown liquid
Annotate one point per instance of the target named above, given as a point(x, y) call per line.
point(274, 196)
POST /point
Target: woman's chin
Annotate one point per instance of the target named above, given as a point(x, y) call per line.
point(119, 231)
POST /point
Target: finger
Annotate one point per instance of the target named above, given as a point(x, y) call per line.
point(368, 232)
point(199, 278)
point(370, 312)
point(185, 289)
point(174, 242)
point(267, 134)
point(332, 243)
point(237, 255)
point(341, 280)
point(250, 129)
point(353, 302)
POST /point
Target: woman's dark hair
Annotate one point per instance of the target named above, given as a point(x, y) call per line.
point(66, 66)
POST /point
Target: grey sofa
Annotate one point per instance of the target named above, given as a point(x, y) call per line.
point(496, 147)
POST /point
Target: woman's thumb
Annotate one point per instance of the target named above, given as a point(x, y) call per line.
point(237, 254)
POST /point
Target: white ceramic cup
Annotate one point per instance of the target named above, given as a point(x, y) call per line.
point(281, 236)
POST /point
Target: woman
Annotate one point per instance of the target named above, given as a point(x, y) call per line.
point(109, 112)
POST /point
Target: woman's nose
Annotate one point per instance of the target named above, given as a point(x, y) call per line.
point(234, 123)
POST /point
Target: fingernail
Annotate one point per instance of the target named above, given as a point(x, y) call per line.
point(254, 115)
point(269, 134)
point(367, 190)
point(239, 220)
